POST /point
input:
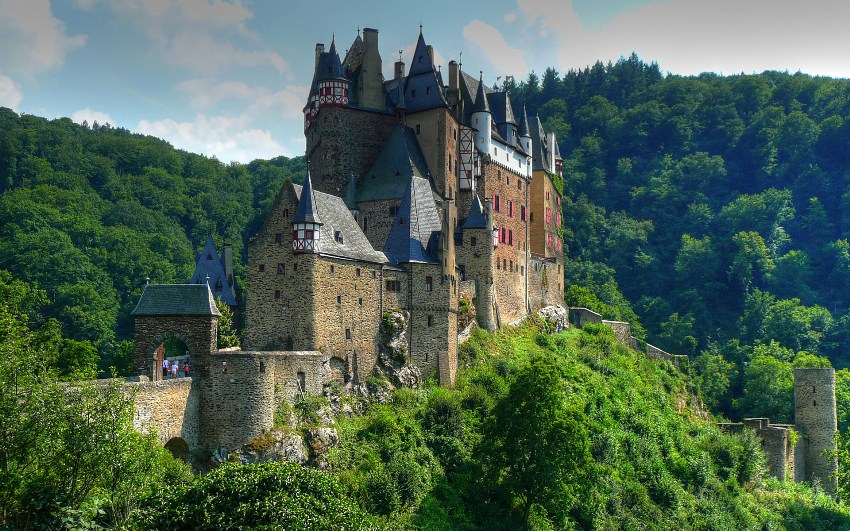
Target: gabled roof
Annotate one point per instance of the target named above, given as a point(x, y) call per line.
point(209, 269)
point(540, 147)
point(523, 123)
point(306, 211)
point(423, 87)
point(415, 234)
point(337, 218)
point(500, 106)
point(475, 219)
point(400, 159)
point(176, 299)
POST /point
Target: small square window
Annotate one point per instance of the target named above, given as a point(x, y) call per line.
point(430, 320)
point(357, 272)
point(277, 294)
point(281, 269)
point(347, 333)
point(473, 241)
point(278, 238)
point(295, 267)
point(338, 237)
point(339, 299)
point(429, 284)
point(360, 301)
point(261, 268)
point(373, 274)
point(332, 268)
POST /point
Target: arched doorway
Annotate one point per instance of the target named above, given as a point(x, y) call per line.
point(172, 356)
point(178, 448)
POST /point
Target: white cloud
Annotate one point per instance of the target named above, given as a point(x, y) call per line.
point(32, 39)
point(10, 93)
point(510, 17)
point(206, 93)
point(91, 116)
point(505, 58)
point(201, 36)
point(689, 36)
point(228, 138)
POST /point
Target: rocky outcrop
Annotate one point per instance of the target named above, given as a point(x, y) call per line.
point(557, 315)
point(320, 440)
point(277, 446)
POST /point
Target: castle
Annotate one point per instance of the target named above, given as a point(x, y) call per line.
point(418, 193)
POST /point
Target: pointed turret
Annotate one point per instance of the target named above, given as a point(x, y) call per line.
point(306, 223)
point(210, 269)
point(525, 135)
point(423, 88)
point(482, 119)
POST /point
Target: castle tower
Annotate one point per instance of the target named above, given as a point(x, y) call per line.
point(525, 136)
point(482, 119)
point(306, 223)
point(816, 420)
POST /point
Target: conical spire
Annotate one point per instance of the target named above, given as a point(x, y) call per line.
point(481, 104)
point(523, 123)
point(475, 219)
point(306, 211)
point(421, 58)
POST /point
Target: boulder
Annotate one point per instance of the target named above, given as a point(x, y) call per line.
point(557, 315)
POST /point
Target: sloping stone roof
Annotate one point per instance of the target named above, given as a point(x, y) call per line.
point(400, 159)
point(209, 268)
point(415, 234)
point(475, 219)
point(176, 299)
point(336, 218)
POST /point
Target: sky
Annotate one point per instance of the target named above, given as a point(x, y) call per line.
point(229, 78)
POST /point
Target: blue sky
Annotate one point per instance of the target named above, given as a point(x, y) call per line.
point(229, 78)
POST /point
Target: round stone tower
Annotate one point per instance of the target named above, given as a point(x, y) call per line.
point(816, 420)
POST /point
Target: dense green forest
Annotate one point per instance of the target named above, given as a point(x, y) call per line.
point(87, 213)
point(616, 441)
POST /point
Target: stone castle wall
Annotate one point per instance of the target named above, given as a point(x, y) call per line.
point(169, 407)
point(375, 218)
point(280, 302)
point(433, 317)
point(475, 258)
point(344, 142)
point(545, 286)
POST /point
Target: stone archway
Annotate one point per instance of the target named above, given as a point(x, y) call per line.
point(159, 349)
point(178, 447)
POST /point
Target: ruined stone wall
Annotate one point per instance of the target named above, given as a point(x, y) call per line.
point(815, 418)
point(169, 407)
point(345, 141)
point(622, 331)
point(581, 316)
point(510, 260)
point(198, 333)
point(775, 443)
point(279, 302)
point(347, 315)
point(544, 283)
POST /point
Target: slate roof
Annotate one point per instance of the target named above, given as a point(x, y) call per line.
point(523, 129)
point(540, 152)
point(399, 160)
point(500, 106)
point(209, 269)
point(337, 217)
point(475, 219)
point(329, 66)
point(481, 102)
point(306, 211)
point(423, 86)
point(176, 299)
point(415, 234)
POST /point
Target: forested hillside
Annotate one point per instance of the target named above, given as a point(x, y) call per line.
point(87, 212)
point(716, 209)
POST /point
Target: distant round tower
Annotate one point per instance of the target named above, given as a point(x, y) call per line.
point(482, 119)
point(816, 420)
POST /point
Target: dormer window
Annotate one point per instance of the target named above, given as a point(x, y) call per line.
point(427, 90)
point(338, 237)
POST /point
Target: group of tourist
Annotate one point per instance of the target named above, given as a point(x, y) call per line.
point(172, 369)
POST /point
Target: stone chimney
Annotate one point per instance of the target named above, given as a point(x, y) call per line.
point(228, 263)
point(371, 83)
point(550, 141)
point(430, 53)
point(320, 49)
point(399, 69)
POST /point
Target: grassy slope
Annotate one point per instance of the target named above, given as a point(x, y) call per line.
point(654, 459)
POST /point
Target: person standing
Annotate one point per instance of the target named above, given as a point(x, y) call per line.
point(164, 368)
point(174, 365)
point(186, 369)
